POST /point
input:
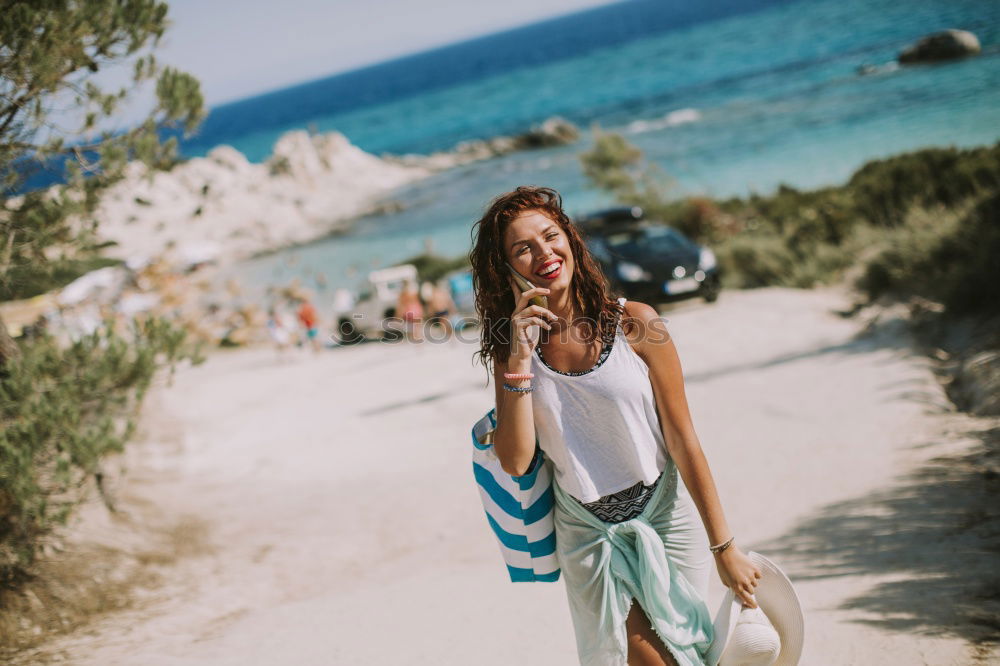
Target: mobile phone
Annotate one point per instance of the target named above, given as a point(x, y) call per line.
point(525, 285)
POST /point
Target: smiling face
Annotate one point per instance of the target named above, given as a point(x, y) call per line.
point(539, 249)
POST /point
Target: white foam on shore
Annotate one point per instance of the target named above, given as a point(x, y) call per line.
point(672, 119)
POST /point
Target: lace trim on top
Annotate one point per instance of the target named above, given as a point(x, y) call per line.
point(605, 352)
point(600, 360)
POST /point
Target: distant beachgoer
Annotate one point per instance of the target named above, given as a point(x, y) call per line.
point(411, 310)
point(442, 307)
point(309, 319)
point(279, 333)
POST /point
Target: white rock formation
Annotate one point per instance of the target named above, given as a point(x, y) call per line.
point(310, 186)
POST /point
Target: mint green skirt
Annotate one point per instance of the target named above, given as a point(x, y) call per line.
point(660, 558)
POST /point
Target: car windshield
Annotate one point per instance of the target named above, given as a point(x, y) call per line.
point(655, 239)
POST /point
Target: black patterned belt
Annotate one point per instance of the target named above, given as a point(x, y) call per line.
point(622, 505)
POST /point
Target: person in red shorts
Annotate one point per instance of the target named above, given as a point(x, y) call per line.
point(309, 319)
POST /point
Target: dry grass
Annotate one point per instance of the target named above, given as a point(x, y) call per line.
point(82, 577)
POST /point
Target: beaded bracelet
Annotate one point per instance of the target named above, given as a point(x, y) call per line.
point(518, 389)
point(722, 546)
point(518, 375)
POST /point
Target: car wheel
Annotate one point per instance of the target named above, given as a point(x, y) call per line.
point(711, 291)
point(347, 333)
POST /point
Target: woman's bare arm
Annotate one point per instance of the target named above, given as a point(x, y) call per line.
point(654, 345)
point(514, 437)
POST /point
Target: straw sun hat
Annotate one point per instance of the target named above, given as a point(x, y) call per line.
point(770, 635)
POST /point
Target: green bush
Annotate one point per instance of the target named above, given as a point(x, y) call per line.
point(63, 410)
point(823, 265)
point(749, 261)
point(952, 260)
point(972, 257)
point(884, 190)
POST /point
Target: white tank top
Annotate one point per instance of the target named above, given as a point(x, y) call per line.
point(600, 429)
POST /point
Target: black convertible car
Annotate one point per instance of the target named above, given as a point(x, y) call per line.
point(649, 261)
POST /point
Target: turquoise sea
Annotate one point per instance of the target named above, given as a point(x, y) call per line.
point(728, 98)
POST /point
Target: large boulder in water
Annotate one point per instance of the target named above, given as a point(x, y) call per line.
point(555, 131)
point(946, 45)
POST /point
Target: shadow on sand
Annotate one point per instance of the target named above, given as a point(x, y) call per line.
point(934, 531)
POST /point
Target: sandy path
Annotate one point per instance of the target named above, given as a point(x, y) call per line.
point(344, 526)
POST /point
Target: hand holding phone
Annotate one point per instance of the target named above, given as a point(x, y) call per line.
point(525, 322)
point(524, 285)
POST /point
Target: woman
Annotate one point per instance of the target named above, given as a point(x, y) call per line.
point(309, 319)
point(600, 385)
point(280, 335)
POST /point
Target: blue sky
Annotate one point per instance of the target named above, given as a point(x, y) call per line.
point(238, 48)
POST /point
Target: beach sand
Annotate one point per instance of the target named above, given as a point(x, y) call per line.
point(334, 518)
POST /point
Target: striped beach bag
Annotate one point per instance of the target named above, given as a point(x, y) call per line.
point(518, 508)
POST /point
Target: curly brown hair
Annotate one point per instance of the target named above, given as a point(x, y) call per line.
point(494, 298)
